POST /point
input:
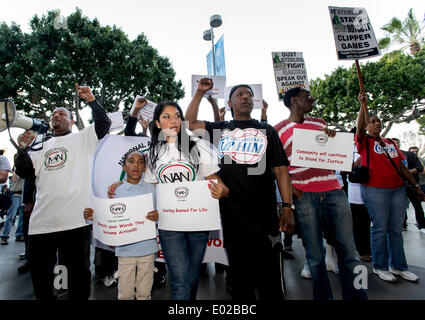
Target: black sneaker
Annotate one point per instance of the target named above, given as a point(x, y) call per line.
point(4, 241)
point(24, 268)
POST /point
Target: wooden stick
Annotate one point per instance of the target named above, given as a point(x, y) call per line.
point(359, 76)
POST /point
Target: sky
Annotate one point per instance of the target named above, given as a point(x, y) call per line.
point(252, 30)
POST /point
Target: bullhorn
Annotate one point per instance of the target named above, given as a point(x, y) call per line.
point(10, 117)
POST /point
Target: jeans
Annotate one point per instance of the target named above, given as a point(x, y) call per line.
point(314, 209)
point(183, 253)
point(11, 214)
point(386, 208)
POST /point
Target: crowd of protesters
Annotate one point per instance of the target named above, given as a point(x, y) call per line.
point(261, 197)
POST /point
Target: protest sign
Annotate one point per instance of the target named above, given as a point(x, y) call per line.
point(314, 149)
point(353, 33)
point(187, 206)
point(290, 71)
point(218, 87)
point(117, 122)
point(215, 251)
point(258, 96)
point(147, 111)
point(109, 158)
point(121, 221)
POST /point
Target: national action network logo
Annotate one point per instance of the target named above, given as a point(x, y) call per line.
point(117, 208)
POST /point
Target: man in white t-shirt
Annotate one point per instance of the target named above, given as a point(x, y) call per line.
point(62, 169)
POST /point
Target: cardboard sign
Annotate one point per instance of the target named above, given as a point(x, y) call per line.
point(290, 71)
point(314, 149)
point(187, 206)
point(353, 33)
point(122, 221)
point(258, 96)
point(117, 121)
point(147, 111)
point(219, 83)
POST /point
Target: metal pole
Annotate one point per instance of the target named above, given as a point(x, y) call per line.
point(213, 51)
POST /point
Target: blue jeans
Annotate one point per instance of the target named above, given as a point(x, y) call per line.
point(183, 253)
point(386, 208)
point(11, 214)
point(314, 209)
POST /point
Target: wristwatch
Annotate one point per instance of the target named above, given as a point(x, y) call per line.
point(288, 205)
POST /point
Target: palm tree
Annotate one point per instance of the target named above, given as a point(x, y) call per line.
point(409, 32)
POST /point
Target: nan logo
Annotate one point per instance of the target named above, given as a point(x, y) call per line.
point(321, 139)
point(117, 208)
point(55, 158)
point(181, 193)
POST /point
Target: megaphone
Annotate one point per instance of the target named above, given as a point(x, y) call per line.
point(9, 114)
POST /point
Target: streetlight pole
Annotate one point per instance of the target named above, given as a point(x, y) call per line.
point(215, 21)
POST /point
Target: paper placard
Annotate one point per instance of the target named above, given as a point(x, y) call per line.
point(314, 149)
point(117, 121)
point(290, 71)
point(258, 95)
point(187, 206)
point(219, 83)
point(122, 221)
point(147, 111)
point(353, 33)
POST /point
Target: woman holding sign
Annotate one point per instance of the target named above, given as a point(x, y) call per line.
point(176, 157)
point(384, 196)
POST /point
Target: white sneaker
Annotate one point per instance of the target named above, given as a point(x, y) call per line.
point(385, 275)
point(305, 272)
point(422, 230)
point(109, 281)
point(331, 259)
point(406, 275)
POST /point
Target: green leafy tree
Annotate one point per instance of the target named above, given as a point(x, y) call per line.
point(395, 87)
point(60, 52)
point(409, 33)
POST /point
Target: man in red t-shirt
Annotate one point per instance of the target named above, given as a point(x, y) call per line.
point(318, 199)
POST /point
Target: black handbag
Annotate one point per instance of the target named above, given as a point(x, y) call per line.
point(361, 174)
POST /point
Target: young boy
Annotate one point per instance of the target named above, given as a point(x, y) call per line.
point(135, 260)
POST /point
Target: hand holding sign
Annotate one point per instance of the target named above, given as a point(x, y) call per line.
point(140, 104)
point(205, 84)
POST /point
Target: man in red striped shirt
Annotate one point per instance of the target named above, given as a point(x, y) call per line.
point(318, 199)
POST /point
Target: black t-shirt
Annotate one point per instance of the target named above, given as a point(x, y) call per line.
point(248, 151)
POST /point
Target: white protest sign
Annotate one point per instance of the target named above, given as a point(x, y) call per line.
point(147, 111)
point(219, 83)
point(108, 160)
point(314, 149)
point(353, 33)
point(117, 122)
point(216, 251)
point(121, 221)
point(187, 206)
point(258, 96)
point(290, 71)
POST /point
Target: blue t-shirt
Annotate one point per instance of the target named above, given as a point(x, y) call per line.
point(145, 247)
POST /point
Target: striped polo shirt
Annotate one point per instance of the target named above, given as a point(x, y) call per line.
point(306, 179)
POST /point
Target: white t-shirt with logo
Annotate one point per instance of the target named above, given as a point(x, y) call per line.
point(63, 171)
point(174, 166)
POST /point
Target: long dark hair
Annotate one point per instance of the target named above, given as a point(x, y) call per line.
point(190, 149)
